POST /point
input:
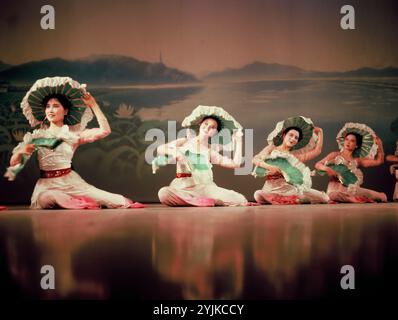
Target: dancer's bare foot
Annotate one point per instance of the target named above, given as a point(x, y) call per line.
point(363, 200)
point(252, 204)
point(278, 199)
point(78, 203)
point(201, 202)
point(136, 205)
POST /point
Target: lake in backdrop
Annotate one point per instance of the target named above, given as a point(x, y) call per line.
point(132, 110)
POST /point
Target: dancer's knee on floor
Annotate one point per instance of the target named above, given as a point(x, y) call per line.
point(320, 197)
point(235, 198)
point(169, 198)
point(383, 197)
point(47, 199)
point(336, 196)
point(164, 195)
point(258, 196)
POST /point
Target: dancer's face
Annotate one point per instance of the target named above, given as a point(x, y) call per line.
point(208, 127)
point(55, 112)
point(291, 138)
point(350, 142)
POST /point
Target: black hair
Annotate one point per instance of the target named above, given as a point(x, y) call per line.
point(64, 101)
point(219, 123)
point(357, 136)
point(294, 128)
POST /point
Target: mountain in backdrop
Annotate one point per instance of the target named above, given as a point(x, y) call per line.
point(256, 70)
point(261, 70)
point(4, 66)
point(97, 69)
point(122, 70)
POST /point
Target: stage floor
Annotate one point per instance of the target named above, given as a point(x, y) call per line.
point(267, 252)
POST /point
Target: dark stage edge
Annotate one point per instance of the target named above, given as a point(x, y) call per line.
point(266, 252)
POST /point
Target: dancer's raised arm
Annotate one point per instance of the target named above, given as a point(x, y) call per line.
point(91, 135)
point(379, 158)
point(237, 159)
point(316, 151)
point(171, 148)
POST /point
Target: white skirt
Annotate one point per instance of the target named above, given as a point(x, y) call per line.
point(282, 188)
point(73, 185)
point(339, 193)
point(181, 190)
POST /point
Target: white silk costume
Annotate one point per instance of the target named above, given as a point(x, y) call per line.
point(51, 191)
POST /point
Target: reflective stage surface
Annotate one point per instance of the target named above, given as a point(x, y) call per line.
point(269, 252)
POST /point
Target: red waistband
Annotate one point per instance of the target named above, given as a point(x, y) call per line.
point(55, 173)
point(183, 175)
point(274, 177)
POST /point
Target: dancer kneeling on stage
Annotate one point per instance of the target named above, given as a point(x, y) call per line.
point(359, 147)
point(62, 108)
point(195, 156)
point(287, 179)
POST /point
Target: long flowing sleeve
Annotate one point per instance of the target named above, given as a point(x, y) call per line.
point(12, 171)
point(94, 134)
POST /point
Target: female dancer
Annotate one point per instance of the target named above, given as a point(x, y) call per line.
point(63, 108)
point(394, 170)
point(293, 142)
point(195, 156)
point(358, 148)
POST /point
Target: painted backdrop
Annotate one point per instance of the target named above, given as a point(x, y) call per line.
point(154, 61)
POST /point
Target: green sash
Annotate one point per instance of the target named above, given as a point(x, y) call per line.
point(195, 161)
point(346, 176)
point(50, 143)
point(294, 175)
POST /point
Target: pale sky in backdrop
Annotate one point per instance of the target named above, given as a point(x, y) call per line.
point(201, 36)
